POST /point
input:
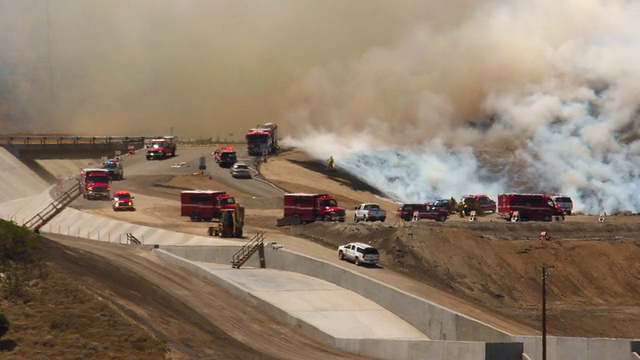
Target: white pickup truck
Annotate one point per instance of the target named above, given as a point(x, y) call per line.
point(369, 212)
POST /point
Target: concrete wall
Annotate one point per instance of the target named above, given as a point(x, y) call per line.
point(463, 335)
point(573, 348)
point(435, 321)
point(375, 348)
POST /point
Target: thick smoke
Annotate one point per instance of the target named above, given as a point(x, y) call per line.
point(204, 68)
point(424, 99)
point(538, 96)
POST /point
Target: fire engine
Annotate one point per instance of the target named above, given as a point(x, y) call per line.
point(304, 208)
point(95, 183)
point(161, 148)
point(206, 205)
point(225, 156)
point(528, 207)
point(262, 139)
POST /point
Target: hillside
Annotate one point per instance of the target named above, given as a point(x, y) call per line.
point(593, 290)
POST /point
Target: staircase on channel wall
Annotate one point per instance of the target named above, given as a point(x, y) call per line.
point(247, 250)
point(53, 209)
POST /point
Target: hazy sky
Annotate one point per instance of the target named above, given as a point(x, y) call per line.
point(202, 67)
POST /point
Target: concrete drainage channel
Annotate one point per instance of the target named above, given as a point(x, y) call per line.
point(449, 336)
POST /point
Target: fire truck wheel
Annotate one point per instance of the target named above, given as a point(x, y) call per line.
point(326, 218)
point(195, 216)
point(296, 218)
point(441, 218)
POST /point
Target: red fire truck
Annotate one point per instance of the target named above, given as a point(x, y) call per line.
point(205, 205)
point(303, 208)
point(528, 207)
point(225, 156)
point(161, 148)
point(95, 183)
point(262, 140)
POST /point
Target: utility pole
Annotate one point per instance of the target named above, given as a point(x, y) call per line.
point(545, 276)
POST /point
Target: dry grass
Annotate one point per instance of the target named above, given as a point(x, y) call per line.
point(58, 319)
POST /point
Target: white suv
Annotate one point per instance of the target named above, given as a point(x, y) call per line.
point(359, 253)
point(563, 202)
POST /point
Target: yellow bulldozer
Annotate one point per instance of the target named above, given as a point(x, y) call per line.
point(230, 224)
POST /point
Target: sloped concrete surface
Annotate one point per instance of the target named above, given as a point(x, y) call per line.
point(18, 181)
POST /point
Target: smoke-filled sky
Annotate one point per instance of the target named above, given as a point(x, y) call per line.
point(424, 99)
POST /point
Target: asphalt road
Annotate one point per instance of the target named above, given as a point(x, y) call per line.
point(139, 172)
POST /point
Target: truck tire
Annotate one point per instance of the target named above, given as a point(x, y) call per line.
point(173, 153)
point(441, 218)
point(356, 261)
point(341, 255)
point(326, 218)
point(195, 216)
point(210, 231)
point(355, 218)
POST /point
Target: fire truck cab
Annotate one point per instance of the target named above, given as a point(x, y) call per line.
point(205, 205)
point(303, 208)
point(262, 140)
point(95, 183)
point(528, 207)
point(225, 156)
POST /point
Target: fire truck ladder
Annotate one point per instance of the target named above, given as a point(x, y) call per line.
point(247, 250)
point(53, 209)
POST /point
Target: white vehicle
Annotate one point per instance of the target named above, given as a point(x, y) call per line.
point(359, 253)
point(564, 202)
point(369, 212)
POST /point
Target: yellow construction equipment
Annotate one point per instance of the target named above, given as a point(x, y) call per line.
point(230, 224)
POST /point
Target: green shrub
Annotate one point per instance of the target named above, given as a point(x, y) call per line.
point(19, 255)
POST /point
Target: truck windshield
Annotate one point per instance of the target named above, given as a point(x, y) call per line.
point(157, 145)
point(228, 156)
point(258, 138)
point(225, 201)
point(328, 203)
point(97, 179)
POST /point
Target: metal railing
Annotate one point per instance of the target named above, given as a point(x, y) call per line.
point(53, 209)
point(247, 250)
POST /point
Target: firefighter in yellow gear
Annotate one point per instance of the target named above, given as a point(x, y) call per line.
point(453, 205)
point(462, 208)
point(330, 166)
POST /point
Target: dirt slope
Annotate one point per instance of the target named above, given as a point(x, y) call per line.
point(593, 291)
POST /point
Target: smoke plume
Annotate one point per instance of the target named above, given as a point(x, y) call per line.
point(423, 99)
point(516, 97)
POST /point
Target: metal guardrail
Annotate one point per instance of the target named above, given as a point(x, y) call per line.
point(58, 140)
point(53, 209)
point(247, 250)
point(132, 239)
